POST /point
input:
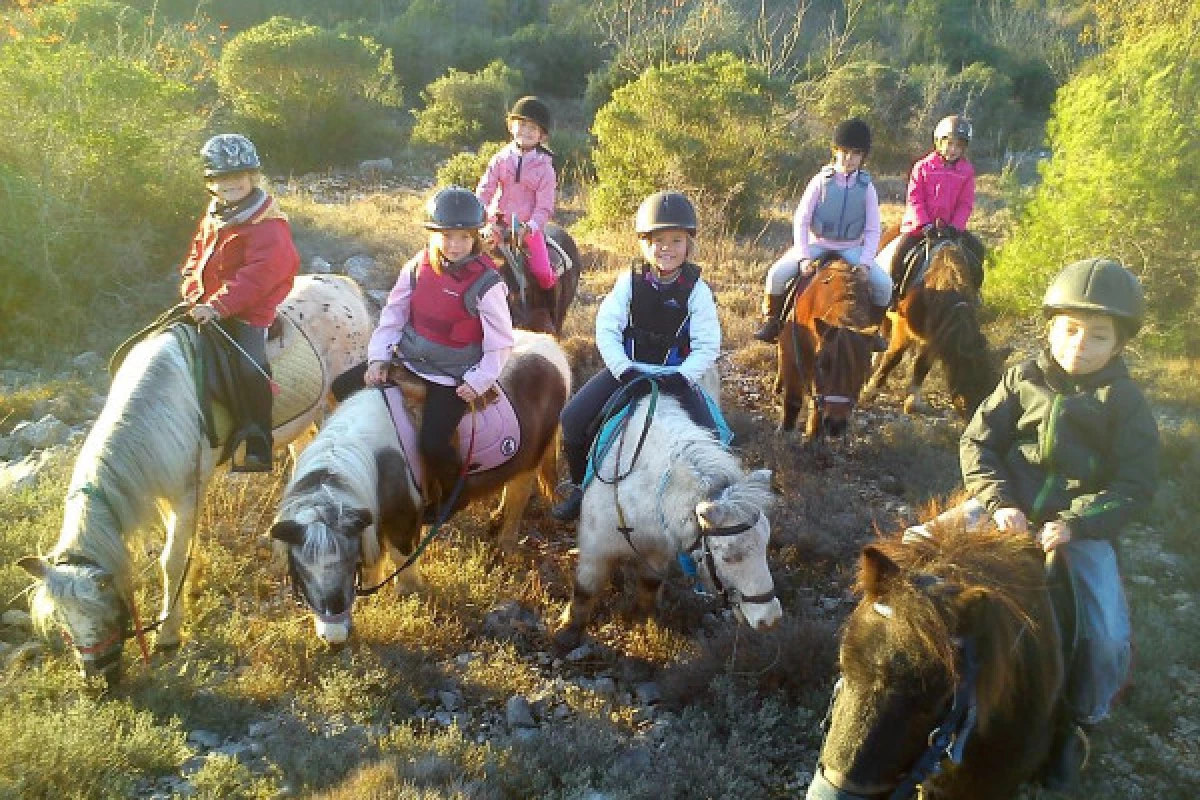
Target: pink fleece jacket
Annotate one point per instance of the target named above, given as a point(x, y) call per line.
point(530, 197)
point(939, 191)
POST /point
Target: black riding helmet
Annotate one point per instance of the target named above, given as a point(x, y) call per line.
point(532, 109)
point(1099, 285)
point(663, 211)
point(227, 153)
point(454, 208)
point(852, 134)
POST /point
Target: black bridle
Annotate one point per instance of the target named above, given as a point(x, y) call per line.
point(687, 561)
point(946, 742)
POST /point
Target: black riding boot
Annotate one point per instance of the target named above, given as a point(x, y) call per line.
point(253, 371)
point(769, 331)
point(1068, 755)
point(571, 505)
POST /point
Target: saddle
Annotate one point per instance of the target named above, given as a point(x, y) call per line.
point(488, 436)
point(796, 286)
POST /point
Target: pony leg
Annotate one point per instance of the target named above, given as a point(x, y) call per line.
point(506, 519)
point(914, 402)
point(887, 363)
point(591, 575)
point(180, 522)
point(649, 591)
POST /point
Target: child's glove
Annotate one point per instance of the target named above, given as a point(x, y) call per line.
point(204, 313)
point(1011, 519)
point(808, 266)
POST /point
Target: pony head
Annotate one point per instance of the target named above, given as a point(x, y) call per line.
point(734, 532)
point(842, 364)
point(83, 600)
point(324, 549)
point(932, 654)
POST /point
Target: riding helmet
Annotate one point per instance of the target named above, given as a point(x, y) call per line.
point(532, 109)
point(663, 211)
point(955, 127)
point(852, 134)
point(454, 208)
point(227, 153)
point(1099, 285)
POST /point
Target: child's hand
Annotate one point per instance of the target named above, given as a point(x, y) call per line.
point(1011, 519)
point(1054, 534)
point(204, 313)
point(377, 373)
point(808, 266)
point(465, 391)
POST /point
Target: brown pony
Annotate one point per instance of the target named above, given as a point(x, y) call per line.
point(534, 308)
point(822, 352)
point(938, 316)
point(951, 672)
point(352, 494)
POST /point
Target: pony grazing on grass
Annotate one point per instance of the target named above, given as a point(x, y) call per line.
point(680, 495)
point(148, 455)
point(354, 490)
point(824, 356)
point(952, 672)
point(937, 316)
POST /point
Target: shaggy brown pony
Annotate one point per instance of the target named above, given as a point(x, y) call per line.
point(823, 355)
point(937, 316)
point(901, 659)
point(537, 309)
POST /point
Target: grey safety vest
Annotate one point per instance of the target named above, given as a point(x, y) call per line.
point(841, 212)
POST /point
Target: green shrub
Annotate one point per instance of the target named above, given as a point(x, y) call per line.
point(465, 109)
point(98, 191)
point(465, 169)
point(979, 91)
point(704, 128)
point(309, 96)
point(431, 36)
point(556, 59)
point(1121, 182)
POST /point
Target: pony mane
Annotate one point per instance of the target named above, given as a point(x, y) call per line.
point(848, 308)
point(933, 573)
point(147, 438)
point(957, 336)
point(338, 472)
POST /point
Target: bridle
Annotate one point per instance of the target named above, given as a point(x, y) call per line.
point(702, 546)
point(946, 742)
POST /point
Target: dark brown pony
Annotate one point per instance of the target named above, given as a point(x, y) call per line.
point(953, 646)
point(937, 316)
point(532, 307)
point(823, 355)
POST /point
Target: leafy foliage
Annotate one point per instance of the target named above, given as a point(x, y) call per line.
point(686, 127)
point(465, 109)
point(307, 95)
point(1122, 182)
point(465, 169)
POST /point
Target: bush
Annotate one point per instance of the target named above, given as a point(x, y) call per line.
point(432, 36)
point(555, 59)
point(980, 92)
point(465, 109)
point(1121, 182)
point(465, 169)
point(686, 127)
point(309, 96)
point(98, 190)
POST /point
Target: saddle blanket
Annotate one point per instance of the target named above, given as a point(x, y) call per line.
point(488, 437)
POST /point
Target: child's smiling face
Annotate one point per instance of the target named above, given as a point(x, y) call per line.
point(525, 133)
point(1083, 342)
point(665, 250)
point(232, 188)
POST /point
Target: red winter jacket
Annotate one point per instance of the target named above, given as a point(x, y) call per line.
point(242, 270)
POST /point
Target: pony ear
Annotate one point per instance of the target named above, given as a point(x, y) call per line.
point(760, 477)
point(356, 519)
point(35, 566)
point(288, 531)
point(876, 571)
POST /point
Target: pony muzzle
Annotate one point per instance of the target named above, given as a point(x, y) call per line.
point(822, 788)
point(332, 628)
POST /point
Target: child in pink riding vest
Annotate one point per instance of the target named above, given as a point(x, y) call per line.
point(519, 183)
point(447, 320)
point(238, 270)
point(941, 196)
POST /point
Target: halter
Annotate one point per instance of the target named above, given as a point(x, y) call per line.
point(687, 562)
point(948, 739)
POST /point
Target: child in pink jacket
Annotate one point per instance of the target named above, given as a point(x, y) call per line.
point(941, 196)
point(520, 184)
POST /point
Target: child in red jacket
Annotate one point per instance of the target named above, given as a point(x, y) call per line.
point(941, 196)
point(239, 269)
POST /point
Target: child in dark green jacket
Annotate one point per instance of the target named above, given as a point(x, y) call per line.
point(1066, 450)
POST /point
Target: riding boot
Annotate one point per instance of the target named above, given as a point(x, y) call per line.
point(570, 507)
point(769, 331)
point(1068, 756)
point(254, 389)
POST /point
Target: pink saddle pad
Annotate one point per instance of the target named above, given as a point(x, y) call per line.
point(487, 438)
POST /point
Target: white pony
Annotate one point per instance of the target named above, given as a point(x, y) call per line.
point(684, 495)
point(352, 493)
point(148, 452)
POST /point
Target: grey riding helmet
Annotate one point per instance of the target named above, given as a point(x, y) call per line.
point(227, 153)
point(1099, 285)
point(454, 208)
